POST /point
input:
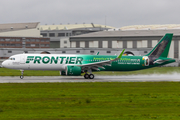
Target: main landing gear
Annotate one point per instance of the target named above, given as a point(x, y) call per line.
point(90, 76)
point(22, 71)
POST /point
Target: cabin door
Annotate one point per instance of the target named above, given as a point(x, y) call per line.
point(22, 59)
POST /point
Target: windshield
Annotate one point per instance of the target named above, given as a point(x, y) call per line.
point(11, 58)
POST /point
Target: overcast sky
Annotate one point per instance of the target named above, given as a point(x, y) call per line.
point(118, 13)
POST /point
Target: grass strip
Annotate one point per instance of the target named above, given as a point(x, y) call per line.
point(86, 101)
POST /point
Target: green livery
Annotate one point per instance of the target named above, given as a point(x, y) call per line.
point(77, 64)
point(123, 63)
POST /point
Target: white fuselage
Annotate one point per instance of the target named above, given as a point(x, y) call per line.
point(22, 62)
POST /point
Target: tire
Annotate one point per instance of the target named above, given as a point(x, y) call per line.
point(21, 77)
point(91, 76)
point(86, 76)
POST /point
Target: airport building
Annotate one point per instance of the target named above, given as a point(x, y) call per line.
point(59, 34)
point(22, 35)
point(130, 37)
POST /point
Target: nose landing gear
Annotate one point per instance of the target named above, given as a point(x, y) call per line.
point(22, 71)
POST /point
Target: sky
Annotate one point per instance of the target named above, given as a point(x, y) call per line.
point(116, 13)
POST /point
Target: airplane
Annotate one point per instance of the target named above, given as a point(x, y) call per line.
point(74, 65)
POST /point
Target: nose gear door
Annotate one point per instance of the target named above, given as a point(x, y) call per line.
point(22, 59)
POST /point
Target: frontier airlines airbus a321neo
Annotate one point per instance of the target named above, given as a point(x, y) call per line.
point(74, 65)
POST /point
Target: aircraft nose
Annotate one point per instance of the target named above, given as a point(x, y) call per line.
point(4, 64)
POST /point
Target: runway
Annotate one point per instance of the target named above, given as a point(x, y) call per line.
point(130, 78)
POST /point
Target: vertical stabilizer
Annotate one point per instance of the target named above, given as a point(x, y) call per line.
point(162, 48)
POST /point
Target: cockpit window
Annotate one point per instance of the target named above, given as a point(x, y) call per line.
point(11, 58)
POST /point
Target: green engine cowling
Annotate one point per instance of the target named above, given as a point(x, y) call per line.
point(73, 71)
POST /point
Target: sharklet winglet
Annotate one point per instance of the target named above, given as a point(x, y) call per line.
point(120, 55)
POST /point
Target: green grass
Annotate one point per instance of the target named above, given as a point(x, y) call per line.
point(95, 101)
point(155, 70)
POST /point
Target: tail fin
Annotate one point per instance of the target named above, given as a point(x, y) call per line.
point(162, 48)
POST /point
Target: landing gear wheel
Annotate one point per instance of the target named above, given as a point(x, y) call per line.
point(91, 76)
point(21, 77)
point(86, 76)
point(22, 72)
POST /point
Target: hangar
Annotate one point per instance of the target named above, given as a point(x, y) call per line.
point(130, 37)
point(59, 34)
point(22, 35)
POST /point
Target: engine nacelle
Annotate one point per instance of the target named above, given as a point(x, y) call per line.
point(128, 53)
point(73, 70)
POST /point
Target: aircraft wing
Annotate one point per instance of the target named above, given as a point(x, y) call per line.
point(97, 65)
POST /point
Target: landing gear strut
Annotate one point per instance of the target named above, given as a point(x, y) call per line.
point(22, 71)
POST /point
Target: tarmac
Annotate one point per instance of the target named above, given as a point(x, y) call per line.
point(175, 77)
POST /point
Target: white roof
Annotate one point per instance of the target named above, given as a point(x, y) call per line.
point(17, 26)
point(71, 26)
point(151, 27)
